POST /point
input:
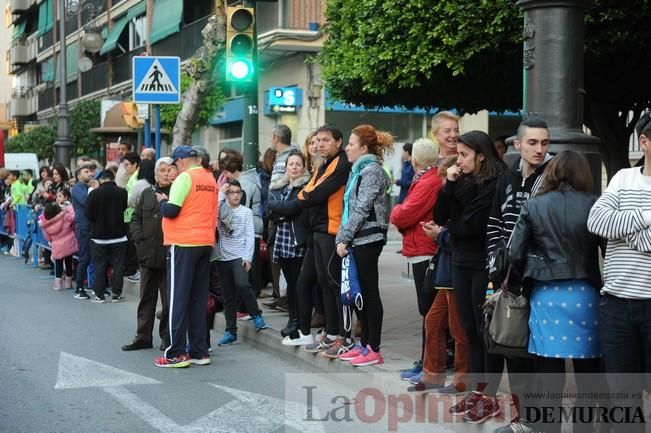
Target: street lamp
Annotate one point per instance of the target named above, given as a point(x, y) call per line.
point(92, 42)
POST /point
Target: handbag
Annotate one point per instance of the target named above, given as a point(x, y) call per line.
point(506, 322)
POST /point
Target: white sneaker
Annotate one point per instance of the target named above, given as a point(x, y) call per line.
point(302, 340)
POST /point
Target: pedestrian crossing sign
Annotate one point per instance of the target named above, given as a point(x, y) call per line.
point(156, 80)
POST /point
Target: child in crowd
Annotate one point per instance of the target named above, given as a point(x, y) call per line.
point(63, 199)
point(234, 255)
point(58, 228)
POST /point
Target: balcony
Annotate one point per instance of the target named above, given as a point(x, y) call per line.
point(23, 52)
point(22, 105)
point(21, 5)
point(187, 41)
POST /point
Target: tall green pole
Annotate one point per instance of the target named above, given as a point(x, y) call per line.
point(250, 91)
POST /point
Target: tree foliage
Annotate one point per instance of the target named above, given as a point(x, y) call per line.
point(467, 54)
point(38, 140)
point(83, 117)
point(213, 100)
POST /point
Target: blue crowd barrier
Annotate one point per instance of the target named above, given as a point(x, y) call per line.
point(27, 228)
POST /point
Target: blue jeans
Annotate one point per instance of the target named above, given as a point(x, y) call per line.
point(625, 334)
point(83, 256)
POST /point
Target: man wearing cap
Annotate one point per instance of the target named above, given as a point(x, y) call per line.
point(189, 222)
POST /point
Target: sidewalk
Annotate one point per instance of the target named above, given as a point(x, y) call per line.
point(401, 341)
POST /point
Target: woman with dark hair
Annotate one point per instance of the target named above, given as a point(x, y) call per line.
point(558, 258)
point(44, 173)
point(464, 205)
point(146, 178)
point(60, 177)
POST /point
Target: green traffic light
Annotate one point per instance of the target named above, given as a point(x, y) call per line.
point(240, 69)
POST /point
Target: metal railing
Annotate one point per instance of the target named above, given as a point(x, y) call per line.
point(26, 229)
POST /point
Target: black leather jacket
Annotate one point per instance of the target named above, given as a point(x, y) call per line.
point(551, 240)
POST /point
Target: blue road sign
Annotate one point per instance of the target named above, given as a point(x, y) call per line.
point(156, 80)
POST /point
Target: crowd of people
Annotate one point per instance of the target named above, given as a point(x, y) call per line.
point(193, 232)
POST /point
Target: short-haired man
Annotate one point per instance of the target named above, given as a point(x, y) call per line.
point(324, 196)
point(623, 216)
point(148, 153)
point(281, 142)
point(515, 186)
point(407, 173)
point(445, 131)
point(147, 233)
point(105, 210)
point(79, 193)
point(131, 163)
point(189, 222)
point(122, 177)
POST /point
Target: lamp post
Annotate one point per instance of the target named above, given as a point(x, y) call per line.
point(90, 41)
point(553, 74)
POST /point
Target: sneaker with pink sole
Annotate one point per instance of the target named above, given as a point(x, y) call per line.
point(351, 354)
point(367, 357)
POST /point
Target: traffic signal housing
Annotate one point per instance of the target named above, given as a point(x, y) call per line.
point(240, 44)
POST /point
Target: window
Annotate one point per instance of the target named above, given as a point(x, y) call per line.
point(137, 32)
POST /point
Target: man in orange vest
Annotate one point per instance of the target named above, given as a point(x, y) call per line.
point(189, 221)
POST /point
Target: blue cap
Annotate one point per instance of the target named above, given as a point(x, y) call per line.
point(184, 151)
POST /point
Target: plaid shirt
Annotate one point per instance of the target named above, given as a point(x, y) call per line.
point(285, 243)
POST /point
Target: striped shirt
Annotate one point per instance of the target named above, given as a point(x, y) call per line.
point(239, 241)
point(623, 216)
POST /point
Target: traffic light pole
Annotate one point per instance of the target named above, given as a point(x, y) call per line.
point(250, 121)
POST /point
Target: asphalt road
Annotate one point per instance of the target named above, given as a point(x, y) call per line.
point(63, 371)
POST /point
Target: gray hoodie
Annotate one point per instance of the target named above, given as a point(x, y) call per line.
point(251, 186)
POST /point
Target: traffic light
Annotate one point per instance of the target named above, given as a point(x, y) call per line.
point(240, 44)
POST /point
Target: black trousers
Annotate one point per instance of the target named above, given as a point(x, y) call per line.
point(291, 269)
point(152, 282)
point(424, 296)
point(372, 313)
point(328, 269)
point(305, 293)
point(235, 283)
point(255, 274)
point(131, 259)
point(188, 273)
point(59, 264)
point(104, 255)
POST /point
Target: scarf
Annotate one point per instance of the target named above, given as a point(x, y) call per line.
point(358, 166)
point(422, 172)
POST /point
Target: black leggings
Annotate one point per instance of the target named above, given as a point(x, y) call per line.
point(470, 293)
point(328, 269)
point(425, 297)
point(307, 279)
point(370, 316)
point(58, 267)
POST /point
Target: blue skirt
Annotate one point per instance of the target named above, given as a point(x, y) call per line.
point(564, 319)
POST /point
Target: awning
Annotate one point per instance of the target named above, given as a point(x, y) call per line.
point(167, 19)
point(19, 30)
point(45, 16)
point(112, 39)
point(118, 27)
point(72, 60)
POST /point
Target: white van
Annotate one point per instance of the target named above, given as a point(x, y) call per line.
point(22, 161)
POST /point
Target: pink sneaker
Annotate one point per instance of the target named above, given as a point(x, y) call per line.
point(367, 357)
point(242, 316)
point(351, 354)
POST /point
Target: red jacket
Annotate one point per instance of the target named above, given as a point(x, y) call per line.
point(414, 210)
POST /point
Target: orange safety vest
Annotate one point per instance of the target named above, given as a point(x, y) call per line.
point(195, 225)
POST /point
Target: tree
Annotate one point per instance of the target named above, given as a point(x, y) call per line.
point(213, 99)
point(201, 69)
point(83, 117)
point(39, 140)
point(467, 54)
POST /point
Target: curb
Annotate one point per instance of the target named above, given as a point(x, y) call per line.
point(270, 340)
